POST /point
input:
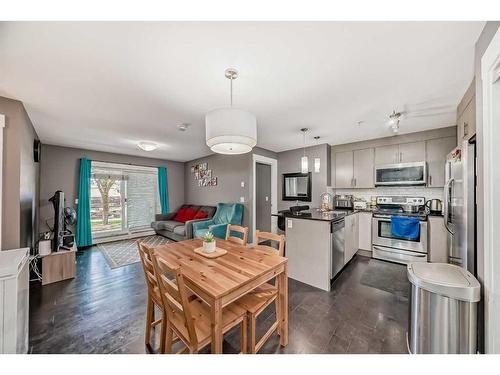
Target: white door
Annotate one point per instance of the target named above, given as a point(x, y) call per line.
point(490, 71)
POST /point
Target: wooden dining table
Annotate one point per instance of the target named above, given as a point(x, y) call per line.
point(223, 280)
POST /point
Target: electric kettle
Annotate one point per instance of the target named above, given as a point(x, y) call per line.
point(434, 205)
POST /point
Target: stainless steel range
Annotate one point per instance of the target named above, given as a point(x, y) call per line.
point(385, 245)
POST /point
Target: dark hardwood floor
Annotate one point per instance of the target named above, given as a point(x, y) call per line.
point(103, 311)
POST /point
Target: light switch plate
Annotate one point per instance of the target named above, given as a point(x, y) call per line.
point(242, 183)
point(289, 223)
point(76, 201)
point(242, 199)
point(267, 199)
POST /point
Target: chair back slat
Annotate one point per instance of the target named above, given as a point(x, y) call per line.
point(147, 266)
point(174, 295)
point(243, 240)
point(268, 236)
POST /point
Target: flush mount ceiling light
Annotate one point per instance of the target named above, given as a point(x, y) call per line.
point(394, 119)
point(182, 127)
point(147, 146)
point(229, 130)
point(304, 162)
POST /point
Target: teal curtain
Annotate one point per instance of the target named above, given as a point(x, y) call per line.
point(163, 189)
point(83, 226)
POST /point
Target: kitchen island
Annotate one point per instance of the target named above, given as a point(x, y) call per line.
point(315, 244)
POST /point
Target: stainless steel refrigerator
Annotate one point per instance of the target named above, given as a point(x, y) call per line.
point(459, 208)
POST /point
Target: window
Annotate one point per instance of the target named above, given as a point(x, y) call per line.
point(124, 199)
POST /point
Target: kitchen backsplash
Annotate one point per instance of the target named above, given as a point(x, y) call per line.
point(415, 191)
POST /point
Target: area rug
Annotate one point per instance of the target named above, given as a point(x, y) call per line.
point(389, 277)
point(125, 252)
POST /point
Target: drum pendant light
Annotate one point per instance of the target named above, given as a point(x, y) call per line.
point(229, 130)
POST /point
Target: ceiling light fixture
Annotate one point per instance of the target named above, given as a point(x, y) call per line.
point(147, 146)
point(304, 162)
point(394, 119)
point(317, 161)
point(229, 130)
point(182, 127)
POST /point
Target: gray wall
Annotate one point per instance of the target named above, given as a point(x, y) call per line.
point(289, 162)
point(481, 45)
point(60, 170)
point(230, 171)
point(20, 177)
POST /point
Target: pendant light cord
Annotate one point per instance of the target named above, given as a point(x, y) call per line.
point(231, 91)
point(304, 134)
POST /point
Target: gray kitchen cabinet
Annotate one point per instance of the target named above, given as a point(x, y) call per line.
point(402, 153)
point(437, 149)
point(411, 152)
point(343, 169)
point(365, 231)
point(363, 168)
point(387, 154)
point(466, 114)
point(351, 236)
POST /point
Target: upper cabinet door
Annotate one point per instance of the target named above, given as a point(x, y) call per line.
point(343, 170)
point(468, 120)
point(437, 149)
point(411, 152)
point(387, 154)
point(363, 161)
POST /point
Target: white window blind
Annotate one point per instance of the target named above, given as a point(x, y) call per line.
point(142, 199)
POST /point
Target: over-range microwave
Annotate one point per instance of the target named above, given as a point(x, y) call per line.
point(401, 174)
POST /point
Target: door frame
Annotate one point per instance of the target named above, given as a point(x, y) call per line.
point(274, 189)
point(2, 125)
point(490, 68)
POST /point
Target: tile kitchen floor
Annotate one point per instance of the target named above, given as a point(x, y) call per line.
point(103, 311)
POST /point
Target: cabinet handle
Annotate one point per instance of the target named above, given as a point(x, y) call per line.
point(430, 180)
point(466, 129)
point(400, 157)
point(355, 182)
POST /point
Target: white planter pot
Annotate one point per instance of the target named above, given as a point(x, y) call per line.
point(209, 247)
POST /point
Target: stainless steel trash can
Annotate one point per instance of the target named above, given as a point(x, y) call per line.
point(443, 309)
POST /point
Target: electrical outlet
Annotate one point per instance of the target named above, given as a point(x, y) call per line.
point(242, 199)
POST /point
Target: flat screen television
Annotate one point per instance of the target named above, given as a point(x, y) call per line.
point(297, 187)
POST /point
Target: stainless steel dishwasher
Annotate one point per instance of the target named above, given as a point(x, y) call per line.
point(337, 233)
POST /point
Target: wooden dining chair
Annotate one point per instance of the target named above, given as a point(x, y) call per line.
point(154, 297)
point(191, 320)
point(257, 300)
point(243, 240)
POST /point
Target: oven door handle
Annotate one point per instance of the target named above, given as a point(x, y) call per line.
point(391, 252)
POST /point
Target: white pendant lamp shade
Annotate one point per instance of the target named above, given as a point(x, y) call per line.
point(304, 164)
point(231, 131)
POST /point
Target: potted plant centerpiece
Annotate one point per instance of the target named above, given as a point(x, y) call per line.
point(208, 242)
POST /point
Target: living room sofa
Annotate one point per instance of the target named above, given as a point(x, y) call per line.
point(180, 229)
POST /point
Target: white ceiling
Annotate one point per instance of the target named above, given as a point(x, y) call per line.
point(106, 86)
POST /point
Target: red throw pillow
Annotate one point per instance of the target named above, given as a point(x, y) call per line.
point(180, 216)
point(190, 213)
point(200, 215)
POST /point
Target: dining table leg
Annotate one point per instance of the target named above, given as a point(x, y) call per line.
point(283, 305)
point(216, 312)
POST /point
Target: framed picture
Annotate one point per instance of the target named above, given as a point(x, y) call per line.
point(200, 183)
point(192, 169)
point(213, 181)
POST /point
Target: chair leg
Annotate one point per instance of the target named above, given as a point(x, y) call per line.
point(163, 333)
point(277, 309)
point(252, 321)
point(149, 319)
point(167, 347)
point(243, 331)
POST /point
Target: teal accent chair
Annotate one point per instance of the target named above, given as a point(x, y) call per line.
point(227, 213)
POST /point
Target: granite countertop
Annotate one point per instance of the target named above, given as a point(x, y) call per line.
point(315, 214)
